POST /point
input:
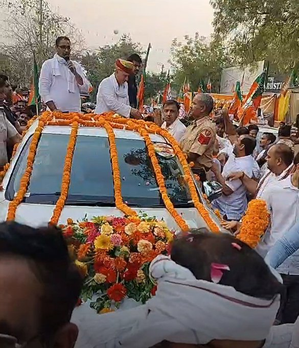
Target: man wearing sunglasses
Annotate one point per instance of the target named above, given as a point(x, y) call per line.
point(39, 288)
point(62, 81)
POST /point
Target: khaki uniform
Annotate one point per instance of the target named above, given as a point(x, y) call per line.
point(200, 138)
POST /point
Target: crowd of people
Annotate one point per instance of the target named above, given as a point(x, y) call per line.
point(213, 291)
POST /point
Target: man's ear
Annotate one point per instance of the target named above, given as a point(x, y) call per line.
point(66, 336)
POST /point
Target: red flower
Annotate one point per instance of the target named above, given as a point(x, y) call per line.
point(79, 302)
point(117, 292)
point(150, 237)
point(131, 272)
point(120, 264)
point(154, 290)
point(69, 232)
point(109, 273)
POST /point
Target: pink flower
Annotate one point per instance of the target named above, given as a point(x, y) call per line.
point(116, 239)
point(92, 236)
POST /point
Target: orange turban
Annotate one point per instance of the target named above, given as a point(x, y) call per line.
point(124, 65)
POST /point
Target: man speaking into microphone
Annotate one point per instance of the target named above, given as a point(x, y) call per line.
point(62, 80)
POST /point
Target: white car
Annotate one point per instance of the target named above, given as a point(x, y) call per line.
point(91, 190)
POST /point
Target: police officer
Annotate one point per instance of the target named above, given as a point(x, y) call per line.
point(199, 139)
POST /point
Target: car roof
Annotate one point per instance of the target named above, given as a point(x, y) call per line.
point(95, 131)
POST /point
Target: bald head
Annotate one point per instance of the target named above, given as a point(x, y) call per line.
point(202, 105)
point(279, 158)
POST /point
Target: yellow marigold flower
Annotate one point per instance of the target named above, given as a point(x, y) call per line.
point(70, 221)
point(161, 224)
point(106, 229)
point(169, 236)
point(130, 228)
point(143, 227)
point(99, 278)
point(140, 277)
point(144, 246)
point(103, 242)
point(160, 246)
point(82, 268)
point(106, 310)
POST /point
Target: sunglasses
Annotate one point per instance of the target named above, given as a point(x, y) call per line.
point(63, 47)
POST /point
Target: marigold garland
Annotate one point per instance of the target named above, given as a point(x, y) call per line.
point(119, 203)
point(13, 205)
point(66, 176)
point(161, 182)
point(254, 223)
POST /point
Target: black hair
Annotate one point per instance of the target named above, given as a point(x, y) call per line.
point(242, 131)
point(284, 131)
point(248, 272)
point(253, 127)
point(296, 159)
point(47, 253)
point(135, 58)
point(285, 153)
point(172, 102)
point(249, 144)
point(3, 77)
point(60, 38)
point(297, 121)
point(270, 136)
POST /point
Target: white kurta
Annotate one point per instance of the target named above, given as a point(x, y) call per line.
point(57, 83)
point(113, 97)
point(177, 129)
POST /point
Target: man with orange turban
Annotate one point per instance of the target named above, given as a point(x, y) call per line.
point(113, 92)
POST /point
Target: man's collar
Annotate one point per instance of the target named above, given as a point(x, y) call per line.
point(201, 120)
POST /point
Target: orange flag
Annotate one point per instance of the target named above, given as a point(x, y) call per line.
point(140, 94)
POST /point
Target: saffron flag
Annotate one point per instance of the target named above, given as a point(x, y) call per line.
point(209, 86)
point(140, 94)
point(187, 97)
point(166, 93)
point(237, 101)
point(34, 92)
point(247, 111)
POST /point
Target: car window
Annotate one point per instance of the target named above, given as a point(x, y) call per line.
point(91, 176)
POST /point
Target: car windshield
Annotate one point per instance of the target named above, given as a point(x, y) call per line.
point(91, 176)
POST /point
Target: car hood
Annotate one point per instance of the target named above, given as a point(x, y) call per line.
point(40, 214)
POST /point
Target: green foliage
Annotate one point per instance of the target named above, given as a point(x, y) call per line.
point(100, 64)
point(196, 60)
point(259, 30)
point(154, 84)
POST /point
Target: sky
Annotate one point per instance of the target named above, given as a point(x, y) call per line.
point(147, 21)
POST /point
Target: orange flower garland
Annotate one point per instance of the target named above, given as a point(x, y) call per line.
point(254, 223)
point(115, 170)
point(66, 176)
point(188, 177)
point(13, 205)
point(161, 182)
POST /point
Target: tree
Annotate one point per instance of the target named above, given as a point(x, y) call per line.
point(259, 30)
point(100, 64)
point(31, 27)
point(154, 85)
point(198, 61)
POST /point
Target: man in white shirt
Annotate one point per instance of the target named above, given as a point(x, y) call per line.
point(233, 202)
point(280, 164)
point(113, 92)
point(61, 81)
point(172, 124)
point(282, 199)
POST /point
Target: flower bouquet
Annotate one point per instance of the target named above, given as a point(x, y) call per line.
point(113, 255)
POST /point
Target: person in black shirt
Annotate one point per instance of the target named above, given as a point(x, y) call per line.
point(132, 84)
